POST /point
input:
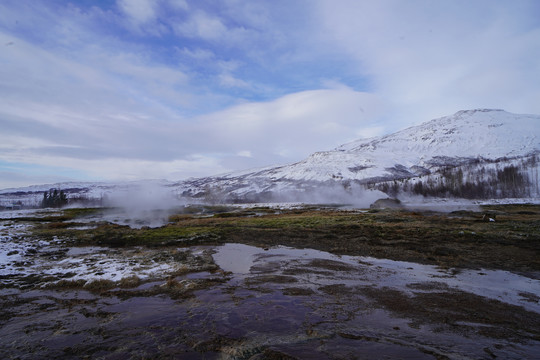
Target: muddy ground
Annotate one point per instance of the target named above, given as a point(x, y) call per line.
point(261, 283)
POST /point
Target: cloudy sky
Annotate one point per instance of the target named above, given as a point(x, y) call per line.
point(131, 89)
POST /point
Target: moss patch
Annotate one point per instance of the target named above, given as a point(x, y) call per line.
point(462, 239)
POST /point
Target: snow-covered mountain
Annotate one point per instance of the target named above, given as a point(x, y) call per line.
point(480, 153)
point(467, 138)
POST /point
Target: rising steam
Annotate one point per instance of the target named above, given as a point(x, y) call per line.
point(142, 204)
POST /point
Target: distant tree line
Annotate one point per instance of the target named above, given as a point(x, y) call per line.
point(54, 199)
point(473, 181)
point(484, 184)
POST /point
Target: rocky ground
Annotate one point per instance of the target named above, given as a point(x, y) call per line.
point(262, 283)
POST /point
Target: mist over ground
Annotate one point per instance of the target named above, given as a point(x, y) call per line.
point(334, 193)
point(142, 204)
point(151, 204)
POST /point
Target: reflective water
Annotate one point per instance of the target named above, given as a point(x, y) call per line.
point(283, 303)
point(505, 286)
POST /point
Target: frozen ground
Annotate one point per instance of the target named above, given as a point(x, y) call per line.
point(450, 204)
point(247, 302)
point(23, 257)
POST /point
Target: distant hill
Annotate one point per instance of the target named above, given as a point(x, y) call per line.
point(481, 153)
point(473, 154)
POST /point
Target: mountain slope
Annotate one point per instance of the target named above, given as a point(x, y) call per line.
point(490, 134)
point(465, 138)
point(479, 153)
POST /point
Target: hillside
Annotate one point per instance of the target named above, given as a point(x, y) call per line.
point(472, 145)
point(474, 154)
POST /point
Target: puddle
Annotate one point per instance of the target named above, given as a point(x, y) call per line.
point(236, 258)
point(494, 284)
point(278, 302)
point(245, 260)
point(85, 250)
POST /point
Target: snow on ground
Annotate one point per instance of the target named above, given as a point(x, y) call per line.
point(454, 204)
point(22, 256)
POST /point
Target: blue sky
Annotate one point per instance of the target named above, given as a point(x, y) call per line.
point(131, 89)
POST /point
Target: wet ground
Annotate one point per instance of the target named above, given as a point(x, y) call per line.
point(237, 301)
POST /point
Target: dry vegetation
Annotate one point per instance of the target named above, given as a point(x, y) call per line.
point(457, 239)
point(200, 311)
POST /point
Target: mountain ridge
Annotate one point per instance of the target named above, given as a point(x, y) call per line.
point(485, 143)
point(466, 137)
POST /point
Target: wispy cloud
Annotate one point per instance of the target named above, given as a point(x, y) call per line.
point(178, 88)
point(139, 11)
point(202, 25)
point(429, 59)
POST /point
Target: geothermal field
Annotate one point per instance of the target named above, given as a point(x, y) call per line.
point(283, 282)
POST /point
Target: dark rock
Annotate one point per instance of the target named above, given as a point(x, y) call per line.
point(386, 204)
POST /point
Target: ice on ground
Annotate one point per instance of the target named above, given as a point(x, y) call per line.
point(23, 257)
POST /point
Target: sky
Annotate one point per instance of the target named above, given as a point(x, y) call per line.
point(105, 90)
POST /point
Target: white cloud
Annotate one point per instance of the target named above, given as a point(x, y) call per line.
point(120, 169)
point(202, 25)
point(218, 29)
point(139, 11)
point(112, 121)
point(431, 59)
point(303, 122)
point(178, 4)
point(119, 144)
point(228, 80)
point(370, 131)
point(201, 88)
point(245, 153)
point(197, 54)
